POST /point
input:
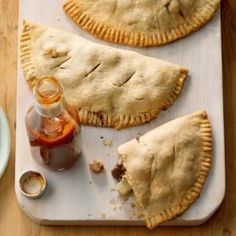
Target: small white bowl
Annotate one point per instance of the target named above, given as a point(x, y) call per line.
point(4, 142)
point(32, 184)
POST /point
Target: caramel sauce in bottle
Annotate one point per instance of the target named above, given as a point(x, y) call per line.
point(54, 135)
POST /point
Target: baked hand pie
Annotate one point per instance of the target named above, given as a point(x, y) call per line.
point(166, 167)
point(141, 23)
point(109, 87)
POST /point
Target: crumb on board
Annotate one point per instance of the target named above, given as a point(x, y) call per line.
point(90, 182)
point(58, 19)
point(112, 201)
point(133, 204)
point(107, 142)
point(139, 215)
point(108, 154)
point(96, 166)
point(112, 189)
point(103, 215)
point(89, 214)
point(115, 205)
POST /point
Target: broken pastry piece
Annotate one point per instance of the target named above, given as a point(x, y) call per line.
point(166, 168)
point(96, 166)
point(109, 87)
point(141, 23)
point(124, 188)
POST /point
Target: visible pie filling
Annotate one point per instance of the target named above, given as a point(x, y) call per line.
point(118, 171)
point(123, 186)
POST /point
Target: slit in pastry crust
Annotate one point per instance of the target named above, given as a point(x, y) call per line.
point(109, 87)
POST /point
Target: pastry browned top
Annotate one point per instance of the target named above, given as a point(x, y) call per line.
point(141, 23)
point(167, 167)
point(110, 87)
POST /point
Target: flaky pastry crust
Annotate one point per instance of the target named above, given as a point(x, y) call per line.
point(141, 23)
point(168, 166)
point(109, 87)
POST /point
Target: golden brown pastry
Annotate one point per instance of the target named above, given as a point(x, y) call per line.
point(167, 167)
point(96, 166)
point(109, 87)
point(141, 23)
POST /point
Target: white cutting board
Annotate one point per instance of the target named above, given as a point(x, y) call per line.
point(77, 196)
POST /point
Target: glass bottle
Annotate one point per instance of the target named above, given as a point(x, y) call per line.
point(53, 130)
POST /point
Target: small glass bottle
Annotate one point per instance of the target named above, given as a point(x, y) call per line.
point(53, 130)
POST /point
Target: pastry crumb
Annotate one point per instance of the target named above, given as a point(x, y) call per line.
point(96, 166)
point(113, 201)
point(89, 214)
point(58, 19)
point(107, 142)
point(90, 182)
point(103, 215)
point(108, 154)
point(139, 215)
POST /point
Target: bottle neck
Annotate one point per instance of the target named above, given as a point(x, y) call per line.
point(48, 93)
point(49, 110)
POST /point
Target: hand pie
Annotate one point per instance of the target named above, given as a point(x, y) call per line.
point(141, 23)
point(109, 87)
point(167, 167)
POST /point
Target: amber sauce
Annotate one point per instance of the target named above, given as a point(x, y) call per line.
point(54, 140)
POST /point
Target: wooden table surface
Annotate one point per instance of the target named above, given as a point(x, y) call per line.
point(13, 222)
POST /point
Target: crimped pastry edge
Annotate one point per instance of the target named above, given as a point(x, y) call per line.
point(104, 31)
point(25, 54)
point(124, 121)
point(194, 192)
point(89, 117)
